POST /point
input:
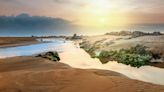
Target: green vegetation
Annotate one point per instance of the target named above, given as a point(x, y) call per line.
point(53, 56)
point(88, 48)
point(135, 56)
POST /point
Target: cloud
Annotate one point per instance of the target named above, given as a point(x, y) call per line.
point(27, 24)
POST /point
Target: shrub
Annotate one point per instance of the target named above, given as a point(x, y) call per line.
point(136, 56)
point(51, 56)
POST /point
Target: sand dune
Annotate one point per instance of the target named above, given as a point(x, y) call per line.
point(154, 43)
point(31, 74)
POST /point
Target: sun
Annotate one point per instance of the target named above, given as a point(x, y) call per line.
point(100, 13)
point(103, 21)
point(96, 13)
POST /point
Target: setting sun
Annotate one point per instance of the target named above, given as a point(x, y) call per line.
point(102, 14)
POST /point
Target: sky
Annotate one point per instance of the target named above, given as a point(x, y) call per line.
point(90, 13)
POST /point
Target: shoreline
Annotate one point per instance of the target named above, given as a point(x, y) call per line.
point(19, 44)
point(6, 42)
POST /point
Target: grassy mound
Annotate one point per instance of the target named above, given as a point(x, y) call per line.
point(135, 56)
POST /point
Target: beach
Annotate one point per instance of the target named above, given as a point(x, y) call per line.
point(31, 74)
point(16, 41)
point(76, 71)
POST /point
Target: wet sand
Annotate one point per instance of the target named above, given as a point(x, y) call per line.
point(158, 64)
point(16, 41)
point(33, 74)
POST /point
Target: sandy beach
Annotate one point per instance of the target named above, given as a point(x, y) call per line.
point(75, 72)
point(16, 41)
point(31, 74)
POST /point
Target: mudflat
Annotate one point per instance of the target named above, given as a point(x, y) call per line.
point(16, 41)
point(35, 74)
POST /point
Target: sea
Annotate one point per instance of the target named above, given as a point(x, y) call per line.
point(84, 31)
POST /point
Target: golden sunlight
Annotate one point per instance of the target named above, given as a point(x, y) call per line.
point(101, 13)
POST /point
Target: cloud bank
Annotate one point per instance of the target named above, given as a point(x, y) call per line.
point(27, 25)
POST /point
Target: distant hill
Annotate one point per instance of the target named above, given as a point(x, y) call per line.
point(133, 34)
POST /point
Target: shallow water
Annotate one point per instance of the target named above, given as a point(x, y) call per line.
point(72, 55)
point(47, 45)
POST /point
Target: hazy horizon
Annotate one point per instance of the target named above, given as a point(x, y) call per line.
point(89, 17)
